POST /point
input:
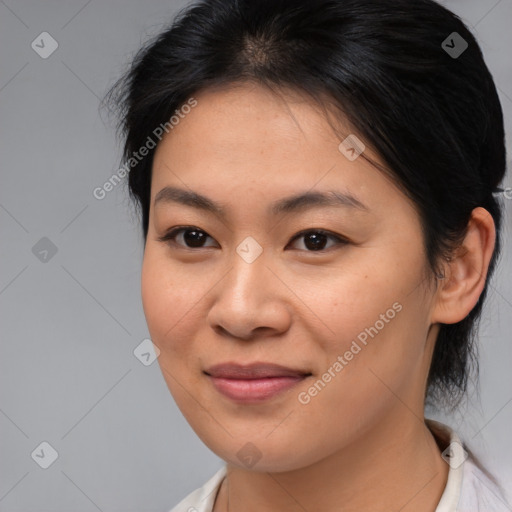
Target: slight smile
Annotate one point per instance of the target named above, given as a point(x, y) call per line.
point(253, 383)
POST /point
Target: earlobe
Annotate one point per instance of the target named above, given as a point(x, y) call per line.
point(466, 272)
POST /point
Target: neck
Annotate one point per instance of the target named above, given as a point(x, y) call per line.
point(395, 466)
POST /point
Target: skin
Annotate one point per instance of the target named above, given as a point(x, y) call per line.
point(361, 441)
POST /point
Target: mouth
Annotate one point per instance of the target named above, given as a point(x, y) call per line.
point(254, 383)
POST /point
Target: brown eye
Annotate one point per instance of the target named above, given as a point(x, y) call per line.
point(191, 237)
point(315, 240)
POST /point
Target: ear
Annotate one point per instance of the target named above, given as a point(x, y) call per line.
point(465, 274)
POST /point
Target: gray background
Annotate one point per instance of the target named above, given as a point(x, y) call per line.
point(68, 375)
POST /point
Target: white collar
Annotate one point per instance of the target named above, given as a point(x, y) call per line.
point(451, 494)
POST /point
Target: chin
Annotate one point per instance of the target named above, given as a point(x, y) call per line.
point(261, 455)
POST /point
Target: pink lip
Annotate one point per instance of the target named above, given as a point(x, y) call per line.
point(253, 390)
point(255, 382)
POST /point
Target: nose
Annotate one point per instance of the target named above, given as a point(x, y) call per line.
point(250, 301)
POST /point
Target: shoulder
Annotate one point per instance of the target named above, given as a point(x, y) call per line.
point(203, 498)
point(479, 492)
point(469, 488)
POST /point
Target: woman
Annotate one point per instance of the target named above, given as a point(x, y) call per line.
point(317, 186)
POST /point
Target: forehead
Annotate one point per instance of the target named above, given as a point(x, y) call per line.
point(246, 140)
point(246, 127)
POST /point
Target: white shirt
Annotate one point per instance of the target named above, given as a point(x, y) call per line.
point(468, 489)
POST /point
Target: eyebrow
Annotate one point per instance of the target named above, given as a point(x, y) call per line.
point(296, 203)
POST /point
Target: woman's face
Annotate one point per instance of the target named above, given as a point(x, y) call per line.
point(351, 317)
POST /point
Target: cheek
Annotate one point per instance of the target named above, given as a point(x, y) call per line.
point(354, 303)
point(171, 308)
point(375, 318)
point(360, 380)
point(156, 300)
point(170, 299)
point(381, 359)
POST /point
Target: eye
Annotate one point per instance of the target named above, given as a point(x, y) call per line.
point(315, 239)
point(193, 238)
point(189, 234)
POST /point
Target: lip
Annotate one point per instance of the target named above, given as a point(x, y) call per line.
point(255, 382)
point(257, 370)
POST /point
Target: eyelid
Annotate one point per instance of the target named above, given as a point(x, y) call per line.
point(340, 239)
point(169, 235)
point(173, 232)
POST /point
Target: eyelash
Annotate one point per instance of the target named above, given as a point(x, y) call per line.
point(171, 235)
